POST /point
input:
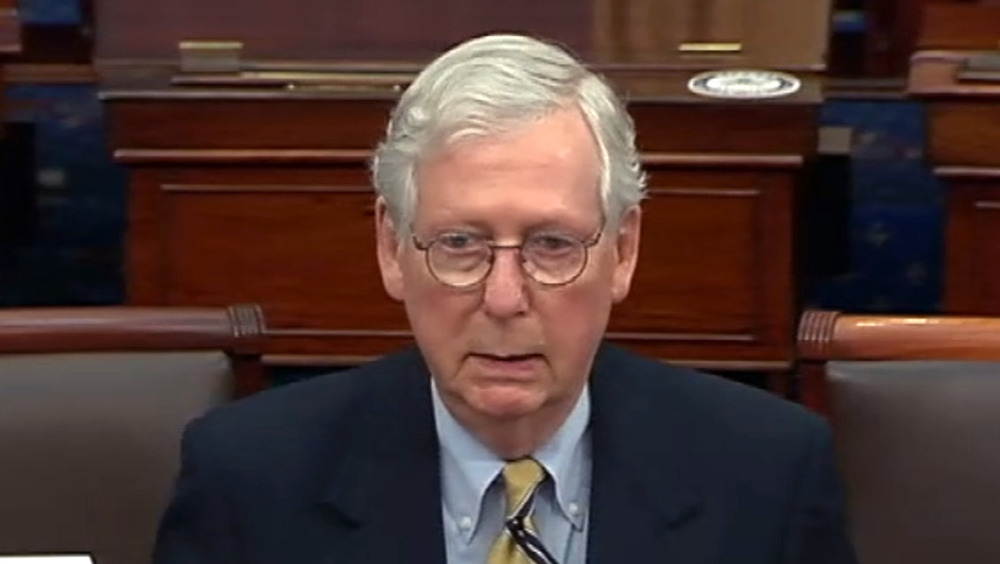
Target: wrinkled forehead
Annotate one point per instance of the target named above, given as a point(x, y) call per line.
point(546, 169)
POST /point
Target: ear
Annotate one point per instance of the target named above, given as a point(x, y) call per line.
point(627, 253)
point(388, 249)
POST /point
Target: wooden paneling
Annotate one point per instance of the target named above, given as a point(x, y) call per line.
point(965, 132)
point(773, 33)
point(10, 28)
point(261, 194)
point(960, 25)
point(240, 124)
point(891, 28)
point(933, 76)
point(10, 44)
point(963, 136)
point(269, 201)
point(715, 273)
point(370, 30)
point(761, 129)
point(300, 241)
point(308, 247)
point(973, 263)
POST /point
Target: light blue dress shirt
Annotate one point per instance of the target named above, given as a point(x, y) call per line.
point(472, 490)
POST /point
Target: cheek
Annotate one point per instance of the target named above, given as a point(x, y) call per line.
point(437, 314)
point(575, 321)
point(576, 317)
point(419, 285)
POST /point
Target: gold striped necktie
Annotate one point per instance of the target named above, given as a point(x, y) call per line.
point(518, 542)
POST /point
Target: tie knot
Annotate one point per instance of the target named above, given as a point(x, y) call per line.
point(521, 477)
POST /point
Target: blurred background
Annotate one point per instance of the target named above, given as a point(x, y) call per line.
point(881, 225)
point(68, 248)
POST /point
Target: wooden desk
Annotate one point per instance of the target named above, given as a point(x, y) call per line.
point(959, 25)
point(963, 140)
point(240, 194)
point(964, 134)
point(895, 29)
point(10, 43)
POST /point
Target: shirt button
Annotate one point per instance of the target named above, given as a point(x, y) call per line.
point(465, 523)
point(574, 509)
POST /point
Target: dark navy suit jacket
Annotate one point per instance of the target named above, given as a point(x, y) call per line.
point(343, 469)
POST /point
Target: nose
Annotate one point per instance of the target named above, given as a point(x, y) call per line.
point(505, 294)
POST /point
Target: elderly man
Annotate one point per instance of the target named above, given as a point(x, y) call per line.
point(508, 224)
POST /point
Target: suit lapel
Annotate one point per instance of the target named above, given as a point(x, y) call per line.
point(645, 496)
point(387, 491)
point(382, 502)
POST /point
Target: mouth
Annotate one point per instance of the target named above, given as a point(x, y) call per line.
point(507, 366)
point(511, 358)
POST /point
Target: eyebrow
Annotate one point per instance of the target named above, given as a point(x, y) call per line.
point(563, 231)
point(543, 226)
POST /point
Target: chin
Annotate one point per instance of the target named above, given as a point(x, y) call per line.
point(503, 403)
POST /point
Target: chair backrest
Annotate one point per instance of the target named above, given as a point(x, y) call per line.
point(825, 336)
point(915, 405)
point(93, 402)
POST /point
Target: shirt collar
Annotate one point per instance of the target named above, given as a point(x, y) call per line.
point(564, 457)
point(468, 467)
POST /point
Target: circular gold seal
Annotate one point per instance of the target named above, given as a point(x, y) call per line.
point(744, 84)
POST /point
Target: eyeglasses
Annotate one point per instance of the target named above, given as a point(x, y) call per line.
point(463, 260)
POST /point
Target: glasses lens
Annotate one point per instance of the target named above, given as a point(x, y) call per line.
point(458, 263)
point(554, 259)
point(462, 260)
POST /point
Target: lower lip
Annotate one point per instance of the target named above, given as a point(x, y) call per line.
point(522, 365)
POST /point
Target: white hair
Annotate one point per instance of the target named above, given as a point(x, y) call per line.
point(488, 85)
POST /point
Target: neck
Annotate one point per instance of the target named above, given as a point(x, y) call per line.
point(515, 437)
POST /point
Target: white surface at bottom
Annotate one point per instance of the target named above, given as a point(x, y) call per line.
point(46, 559)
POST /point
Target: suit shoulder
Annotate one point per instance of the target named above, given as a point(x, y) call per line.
point(710, 401)
point(289, 413)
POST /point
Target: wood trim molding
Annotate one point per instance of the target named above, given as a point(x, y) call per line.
point(832, 335)
point(241, 156)
point(10, 31)
point(967, 172)
point(710, 160)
